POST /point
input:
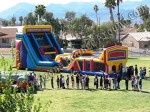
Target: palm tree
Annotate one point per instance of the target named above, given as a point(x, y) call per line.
point(96, 10)
point(13, 20)
point(21, 20)
point(40, 10)
point(110, 4)
point(118, 4)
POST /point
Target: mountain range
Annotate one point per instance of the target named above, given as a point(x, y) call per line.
point(22, 9)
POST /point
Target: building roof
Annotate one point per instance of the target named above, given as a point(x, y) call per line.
point(68, 37)
point(139, 36)
point(8, 32)
point(125, 31)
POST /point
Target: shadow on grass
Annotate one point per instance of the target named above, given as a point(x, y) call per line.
point(132, 58)
point(94, 90)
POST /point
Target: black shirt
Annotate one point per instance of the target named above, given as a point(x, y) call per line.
point(72, 78)
point(77, 79)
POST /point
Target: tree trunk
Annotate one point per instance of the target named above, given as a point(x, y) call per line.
point(97, 17)
point(111, 15)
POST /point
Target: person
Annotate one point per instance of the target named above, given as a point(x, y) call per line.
point(72, 81)
point(118, 81)
point(120, 69)
point(57, 80)
point(141, 73)
point(60, 81)
point(63, 82)
point(52, 82)
point(96, 82)
point(105, 82)
point(101, 82)
point(133, 82)
point(131, 71)
point(77, 81)
point(67, 81)
point(136, 70)
point(80, 78)
point(83, 81)
point(31, 79)
point(128, 74)
point(44, 81)
point(123, 72)
point(109, 83)
point(87, 81)
point(136, 83)
point(114, 83)
point(41, 81)
point(126, 82)
point(140, 85)
point(144, 72)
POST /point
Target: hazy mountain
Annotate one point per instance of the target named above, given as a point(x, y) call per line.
point(22, 9)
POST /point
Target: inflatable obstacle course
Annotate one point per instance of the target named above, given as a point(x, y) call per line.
point(36, 49)
point(109, 61)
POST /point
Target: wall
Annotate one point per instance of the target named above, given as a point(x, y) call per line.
point(143, 44)
point(129, 41)
point(6, 45)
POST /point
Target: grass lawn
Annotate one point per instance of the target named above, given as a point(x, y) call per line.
point(92, 100)
point(96, 100)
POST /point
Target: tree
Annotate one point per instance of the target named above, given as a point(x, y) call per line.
point(48, 17)
point(30, 19)
point(40, 11)
point(147, 24)
point(96, 10)
point(69, 16)
point(80, 26)
point(21, 20)
point(5, 23)
point(144, 12)
point(13, 20)
point(110, 4)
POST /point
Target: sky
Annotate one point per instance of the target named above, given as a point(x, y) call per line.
point(5, 4)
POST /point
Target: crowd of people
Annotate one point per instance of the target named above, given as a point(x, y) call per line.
point(81, 81)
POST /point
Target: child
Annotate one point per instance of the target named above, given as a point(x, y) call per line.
point(115, 83)
point(136, 83)
point(41, 81)
point(44, 81)
point(96, 82)
point(67, 81)
point(101, 82)
point(72, 80)
point(140, 85)
point(63, 82)
point(77, 81)
point(80, 78)
point(141, 73)
point(52, 82)
point(132, 82)
point(57, 81)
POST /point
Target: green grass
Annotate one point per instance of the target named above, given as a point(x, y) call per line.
point(98, 100)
